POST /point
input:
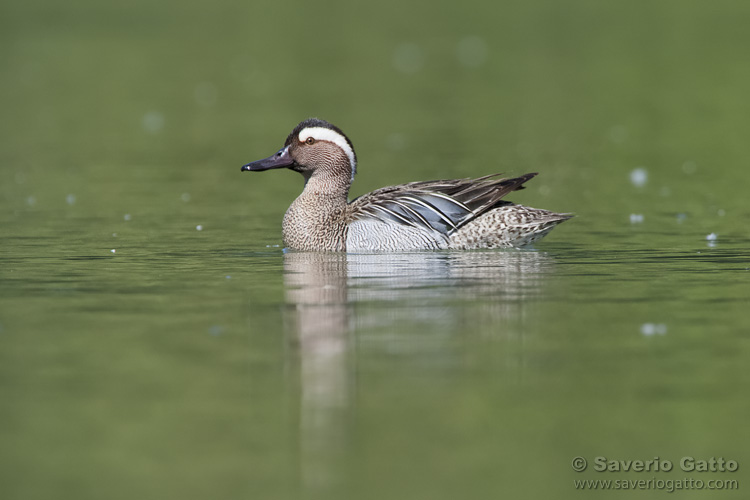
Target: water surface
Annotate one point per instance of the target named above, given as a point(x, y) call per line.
point(157, 342)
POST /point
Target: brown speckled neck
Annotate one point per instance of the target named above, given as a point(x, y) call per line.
point(316, 219)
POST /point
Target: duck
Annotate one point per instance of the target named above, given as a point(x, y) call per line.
point(456, 214)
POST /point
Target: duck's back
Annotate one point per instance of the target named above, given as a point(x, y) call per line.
point(462, 213)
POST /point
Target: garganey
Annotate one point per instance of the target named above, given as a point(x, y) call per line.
point(448, 214)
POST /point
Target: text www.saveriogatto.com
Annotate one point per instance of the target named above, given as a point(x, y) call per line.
point(658, 466)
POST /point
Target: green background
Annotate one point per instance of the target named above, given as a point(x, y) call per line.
point(208, 364)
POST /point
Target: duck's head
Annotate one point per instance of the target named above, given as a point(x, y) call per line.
point(313, 146)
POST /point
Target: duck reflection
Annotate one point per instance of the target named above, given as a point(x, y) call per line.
point(332, 295)
point(316, 291)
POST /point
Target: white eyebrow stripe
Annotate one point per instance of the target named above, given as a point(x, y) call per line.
point(326, 134)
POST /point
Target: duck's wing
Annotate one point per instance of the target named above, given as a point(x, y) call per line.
point(441, 206)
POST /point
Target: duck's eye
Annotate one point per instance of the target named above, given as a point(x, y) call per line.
point(310, 140)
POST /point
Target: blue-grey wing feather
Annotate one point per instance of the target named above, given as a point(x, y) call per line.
point(441, 206)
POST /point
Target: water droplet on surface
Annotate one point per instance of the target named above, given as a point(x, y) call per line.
point(126, 217)
point(636, 218)
point(471, 51)
point(639, 177)
point(185, 197)
point(650, 329)
point(689, 167)
point(711, 237)
point(70, 199)
point(216, 330)
point(153, 122)
point(199, 228)
point(408, 58)
point(113, 250)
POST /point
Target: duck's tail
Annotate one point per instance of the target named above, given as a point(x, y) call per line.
point(506, 226)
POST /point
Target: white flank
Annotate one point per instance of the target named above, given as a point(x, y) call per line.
point(326, 134)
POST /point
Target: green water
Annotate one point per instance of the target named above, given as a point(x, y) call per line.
point(155, 341)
